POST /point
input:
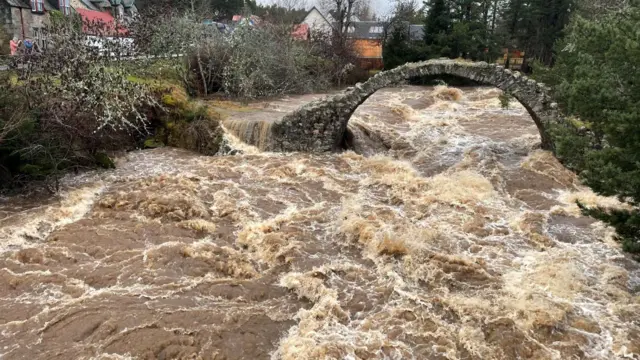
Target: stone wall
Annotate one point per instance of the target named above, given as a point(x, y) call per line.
point(320, 125)
point(17, 20)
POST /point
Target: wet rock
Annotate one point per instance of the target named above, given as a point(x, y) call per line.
point(363, 141)
point(227, 149)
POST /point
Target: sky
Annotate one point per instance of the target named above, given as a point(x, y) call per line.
point(381, 7)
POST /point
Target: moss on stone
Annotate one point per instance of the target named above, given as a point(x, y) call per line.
point(186, 123)
point(152, 143)
point(103, 160)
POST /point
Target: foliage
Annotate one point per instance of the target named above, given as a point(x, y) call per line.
point(267, 62)
point(593, 80)
point(184, 123)
point(452, 28)
point(534, 26)
point(209, 9)
point(254, 63)
point(438, 24)
point(398, 49)
point(248, 63)
point(459, 28)
point(594, 9)
point(626, 223)
point(276, 14)
point(505, 99)
point(16, 122)
point(76, 103)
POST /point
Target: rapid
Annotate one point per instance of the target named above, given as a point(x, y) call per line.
point(443, 233)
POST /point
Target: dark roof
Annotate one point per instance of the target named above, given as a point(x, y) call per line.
point(366, 30)
point(416, 32)
point(18, 3)
point(89, 5)
point(26, 4)
point(101, 4)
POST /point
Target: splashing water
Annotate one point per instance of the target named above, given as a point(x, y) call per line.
point(455, 239)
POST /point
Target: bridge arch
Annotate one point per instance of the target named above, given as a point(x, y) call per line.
point(320, 125)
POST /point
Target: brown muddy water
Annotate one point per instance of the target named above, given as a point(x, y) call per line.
point(454, 238)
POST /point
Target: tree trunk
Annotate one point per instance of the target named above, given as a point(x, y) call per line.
point(495, 12)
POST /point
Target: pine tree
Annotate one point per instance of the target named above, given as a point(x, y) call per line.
point(438, 26)
point(459, 28)
point(595, 80)
point(534, 26)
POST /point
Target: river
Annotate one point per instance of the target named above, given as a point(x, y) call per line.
point(446, 234)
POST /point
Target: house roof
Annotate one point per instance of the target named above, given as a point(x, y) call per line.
point(101, 3)
point(91, 16)
point(83, 4)
point(26, 5)
point(372, 30)
point(324, 16)
point(18, 3)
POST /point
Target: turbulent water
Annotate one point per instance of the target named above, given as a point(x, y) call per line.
point(453, 238)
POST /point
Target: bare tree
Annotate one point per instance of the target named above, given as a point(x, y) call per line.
point(343, 12)
point(363, 10)
point(290, 5)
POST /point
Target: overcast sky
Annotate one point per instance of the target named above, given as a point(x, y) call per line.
point(381, 7)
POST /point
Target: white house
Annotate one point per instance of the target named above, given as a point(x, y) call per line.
point(317, 21)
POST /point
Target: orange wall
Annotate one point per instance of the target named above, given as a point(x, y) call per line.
point(368, 48)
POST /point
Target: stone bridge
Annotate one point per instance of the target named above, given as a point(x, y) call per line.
point(320, 125)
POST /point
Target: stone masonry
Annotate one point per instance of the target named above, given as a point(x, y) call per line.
point(320, 125)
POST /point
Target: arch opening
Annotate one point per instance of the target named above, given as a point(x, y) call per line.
point(320, 126)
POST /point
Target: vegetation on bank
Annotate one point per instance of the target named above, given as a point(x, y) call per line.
point(248, 63)
point(72, 106)
point(594, 80)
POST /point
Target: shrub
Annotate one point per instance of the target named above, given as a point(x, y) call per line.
point(505, 99)
point(77, 105)
point(248, 63)
point(252, 63)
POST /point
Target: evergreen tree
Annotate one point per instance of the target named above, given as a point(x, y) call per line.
point(595, 80)
point(438, 26)
point(459, 28)
point(398, 49)
point(534, 26)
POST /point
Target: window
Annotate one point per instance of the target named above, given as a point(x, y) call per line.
point(64, 6)
point(375, 30)
point(37, 6)
point(351, 29)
